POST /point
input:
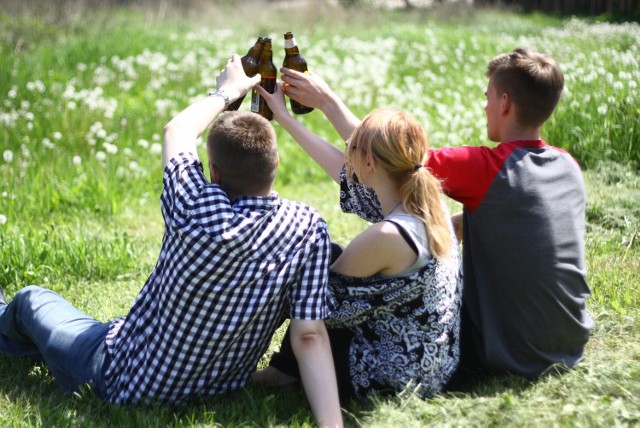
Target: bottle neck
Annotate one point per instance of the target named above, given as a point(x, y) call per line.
point(255, 52)
point(292, 51)
point(290, 43)
point(256, 49)
point(267, 54)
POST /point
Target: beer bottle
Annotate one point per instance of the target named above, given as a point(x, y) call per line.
point(294, 61)
point(250, 65)
point(268, 72)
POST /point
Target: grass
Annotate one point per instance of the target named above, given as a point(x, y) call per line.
point(84, 96)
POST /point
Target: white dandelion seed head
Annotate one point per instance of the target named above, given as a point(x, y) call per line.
point(3, 219)
point(101, 156)
point(602, 109)
point(111, 149)
point(7, 155)
point(76, 160)
point(156, 148)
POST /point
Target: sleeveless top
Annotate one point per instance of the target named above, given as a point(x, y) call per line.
point(405, 327)
point(414, 233)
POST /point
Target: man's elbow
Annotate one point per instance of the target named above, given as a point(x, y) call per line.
point(168, 130)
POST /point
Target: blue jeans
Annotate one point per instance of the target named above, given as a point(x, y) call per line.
point(40, 323)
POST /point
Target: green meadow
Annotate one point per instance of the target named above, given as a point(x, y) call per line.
point(84, 95)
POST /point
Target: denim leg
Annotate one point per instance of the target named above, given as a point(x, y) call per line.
point(40, 322)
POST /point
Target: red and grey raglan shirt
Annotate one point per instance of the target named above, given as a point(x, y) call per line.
point(523, 252)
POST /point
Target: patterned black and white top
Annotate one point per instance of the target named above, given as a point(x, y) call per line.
point(406, 328)
point(227, 273)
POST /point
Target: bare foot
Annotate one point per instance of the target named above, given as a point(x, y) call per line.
point(273, 377)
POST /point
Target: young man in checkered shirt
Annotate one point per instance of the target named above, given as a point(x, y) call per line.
point(235, 261)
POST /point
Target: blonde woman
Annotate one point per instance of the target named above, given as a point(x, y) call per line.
point(398, 283)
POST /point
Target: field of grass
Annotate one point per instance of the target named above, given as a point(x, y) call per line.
point(83, 99)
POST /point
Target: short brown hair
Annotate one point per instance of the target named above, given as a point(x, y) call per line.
point(242, 145)
point(532, 80)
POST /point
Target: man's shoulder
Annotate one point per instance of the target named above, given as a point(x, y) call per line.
point(302, 209)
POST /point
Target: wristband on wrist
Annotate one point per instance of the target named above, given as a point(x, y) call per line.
point(222, 94)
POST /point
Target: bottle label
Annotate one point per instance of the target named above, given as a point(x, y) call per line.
point(255, 102)
point(288, 44)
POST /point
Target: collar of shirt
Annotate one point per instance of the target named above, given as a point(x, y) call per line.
point(257, 202)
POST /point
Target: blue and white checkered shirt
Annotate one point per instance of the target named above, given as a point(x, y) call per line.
point(227, 274)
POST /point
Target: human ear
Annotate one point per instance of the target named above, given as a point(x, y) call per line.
point(216, 177)
point(505, 103)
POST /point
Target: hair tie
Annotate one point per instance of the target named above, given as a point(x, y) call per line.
point(417, 166)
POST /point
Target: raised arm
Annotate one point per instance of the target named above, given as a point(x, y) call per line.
point(312, 91)
point(329, 157)
point(181, 133)
point(312, 349)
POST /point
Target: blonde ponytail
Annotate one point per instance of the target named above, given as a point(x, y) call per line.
point(400, 146)
point(421, 196)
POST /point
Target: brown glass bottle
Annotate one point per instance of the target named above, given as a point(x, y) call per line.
point(294, 61)
point(250, 64)
point(268, 73)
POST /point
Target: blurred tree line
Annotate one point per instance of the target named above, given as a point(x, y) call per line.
point(616, 10)
point(612, 8)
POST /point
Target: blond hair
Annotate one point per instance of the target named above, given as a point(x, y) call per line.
point(400, 147)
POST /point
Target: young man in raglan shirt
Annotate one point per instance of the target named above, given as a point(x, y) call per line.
point(235, 260)
point(523, 220)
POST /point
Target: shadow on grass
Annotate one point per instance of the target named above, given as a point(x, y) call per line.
point(29, 395)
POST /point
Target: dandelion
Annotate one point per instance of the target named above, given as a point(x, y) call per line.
point(57, 136)
point(156, 148)
point(602, 109)
point(632, 84)
point(101, 156)
point(3, 219)
point(48, 144)
point(111, 149)
point(143, 143)
point(76, 160)
point(101, 133)
point(133, 166)
point(36, 86)
point(7, 155)
point(13, 92)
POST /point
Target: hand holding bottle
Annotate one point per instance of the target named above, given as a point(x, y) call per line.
point(275, 101)
point(233, 80)
point(306, 88)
